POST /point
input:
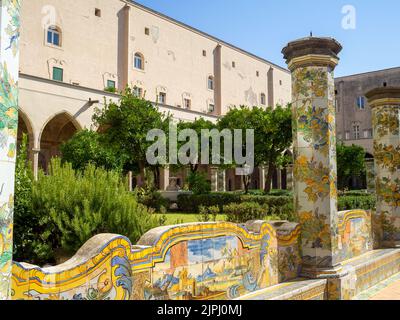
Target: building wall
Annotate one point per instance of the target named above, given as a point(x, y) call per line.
point(348, 89)
point(89, 48)
point(96, 49)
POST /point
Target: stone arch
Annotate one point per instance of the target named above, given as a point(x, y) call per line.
point(25, 127)
point(57, 129)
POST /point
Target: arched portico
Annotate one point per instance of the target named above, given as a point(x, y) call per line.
point(25, 127)
point(58, 129)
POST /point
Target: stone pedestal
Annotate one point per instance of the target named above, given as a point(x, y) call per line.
point(370, 175)
point(262, 177)
point(279, 178)
point(214, 179)
point(385, 105)
point(164, 178)
point(312, 61)
point(289, 177)
point(36, 152)
point(9, 66)
point(221, 180)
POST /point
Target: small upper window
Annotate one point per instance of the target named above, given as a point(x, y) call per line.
point(97, 12)
point(54, 36)
point(361, 103)
point(211, 107)
point(263, 99)
point(280, 82)
point(146, 31)
point(257, 73)
point(210, 83)
point(138, 92)
point(233, 64)
point(204, 53)
point(139, 61)
point(162, 97)
point(111, 84)
point(58, 74)
point(187, 103)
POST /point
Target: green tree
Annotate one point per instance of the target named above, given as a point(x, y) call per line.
point(198, 125)
point(86, 147)
point(350, 163)
point(125, 126)
point(272, 135)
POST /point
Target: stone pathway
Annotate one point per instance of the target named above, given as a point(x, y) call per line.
point(386, 290)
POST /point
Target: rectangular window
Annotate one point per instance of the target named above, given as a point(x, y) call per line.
point(211, 108)
point(138, 92)
point(204, 53)
point(162, 97)
point(146, 31)
point(187, 103)
point(356, 132)
point(257, 73)
point(347, 135)
point(53, 36)
point(110, 84)
point(361, 103)
point(263, 99)
point(58, 74)
point(97, 12)
point(233, 64)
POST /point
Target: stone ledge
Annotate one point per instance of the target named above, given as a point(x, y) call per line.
point(298, 289)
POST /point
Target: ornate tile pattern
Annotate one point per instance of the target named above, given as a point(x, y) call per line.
point(315, 164)
point(386, 125)
point(9, 38)
point(194, 261)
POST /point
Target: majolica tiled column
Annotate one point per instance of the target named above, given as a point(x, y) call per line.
point(312, 62)
point(9, 66)
point(385, 105)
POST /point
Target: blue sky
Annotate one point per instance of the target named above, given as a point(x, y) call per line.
point(263, 27)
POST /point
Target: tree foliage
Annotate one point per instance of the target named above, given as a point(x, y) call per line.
point(125, 126)
point(350, 163)
point(197, 125)
point(86, 147)
point(272, 134)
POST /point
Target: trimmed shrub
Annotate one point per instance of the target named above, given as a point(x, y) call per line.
point(272, 204)
point(365, 202)
point(198, 183)
point(208, 213)
point(152, 199)
point(242, 212)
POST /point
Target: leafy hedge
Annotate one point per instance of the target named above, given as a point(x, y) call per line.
point(281, 206)
point(274, 205)
point(365, 202)
point(242, 212)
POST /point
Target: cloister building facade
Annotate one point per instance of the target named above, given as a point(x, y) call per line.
point(71, 61)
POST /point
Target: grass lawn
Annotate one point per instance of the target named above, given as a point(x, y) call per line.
point(177, 218)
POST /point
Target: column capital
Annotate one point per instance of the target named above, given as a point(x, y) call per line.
point(384, 96)
point(312, 51)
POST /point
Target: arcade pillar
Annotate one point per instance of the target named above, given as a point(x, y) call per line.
point(385, 106)
point(312, 62)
